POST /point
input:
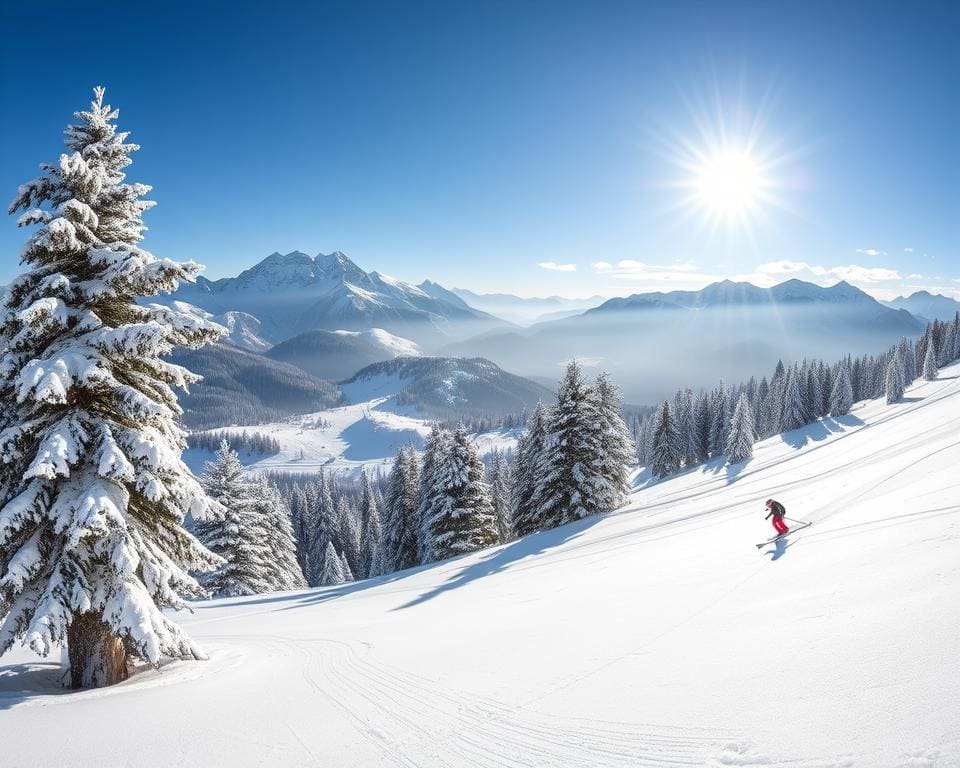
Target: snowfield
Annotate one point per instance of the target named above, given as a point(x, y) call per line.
point(655, 636)
point(345, 440)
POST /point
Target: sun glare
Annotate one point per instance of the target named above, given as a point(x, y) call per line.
point(729, 183)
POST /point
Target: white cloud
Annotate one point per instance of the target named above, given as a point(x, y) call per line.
point(552, 265)
point(916, 277)
point(865, 274)
point(602, 266)
point(908, 250)
point(871, 252)
point(782, 267)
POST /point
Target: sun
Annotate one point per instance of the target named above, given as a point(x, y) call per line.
point(729, 183)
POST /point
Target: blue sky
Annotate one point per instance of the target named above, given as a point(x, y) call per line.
point(526, 147)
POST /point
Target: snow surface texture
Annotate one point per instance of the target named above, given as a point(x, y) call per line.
point(655, 636)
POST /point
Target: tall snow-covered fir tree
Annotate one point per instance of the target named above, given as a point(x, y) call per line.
point(254, 537)
point(462, 519)
point(794, 413)
point(235, 537)
point(616, 446)
point(894, 378)
point(93, 492)
point(431, 495)
point(401, 531)
point(530, 452)
point(741, 437)
point(500, 495)
point(841, 396)
point(930, 370)
point(272, 522)
point(666, 452)
point(570, 483)
point(332, 572)
point(372, 530)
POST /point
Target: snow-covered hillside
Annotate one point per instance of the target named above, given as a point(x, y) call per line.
point(344, 440)
point(656, 636)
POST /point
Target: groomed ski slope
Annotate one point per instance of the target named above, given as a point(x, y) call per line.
point(656, 636)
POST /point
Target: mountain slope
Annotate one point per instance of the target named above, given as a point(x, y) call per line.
point(926, 305)
point(241, 387)
point(525, 311)
point(656, 636)
point(293, 293)
point(445, 388)
point(656, 342)
point(336, 355)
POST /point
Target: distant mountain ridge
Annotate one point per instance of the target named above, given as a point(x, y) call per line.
point(525, 311)
point(654, 342)
point(292, 293)
point(926, 305)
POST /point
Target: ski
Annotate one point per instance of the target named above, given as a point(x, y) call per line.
point(779, 536)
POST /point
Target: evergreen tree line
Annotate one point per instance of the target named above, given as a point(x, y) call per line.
point(445, 501)
point(252, 442)
point(489, 422)
point(690, 429)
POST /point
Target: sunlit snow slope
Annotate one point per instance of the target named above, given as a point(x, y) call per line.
point(657, 636)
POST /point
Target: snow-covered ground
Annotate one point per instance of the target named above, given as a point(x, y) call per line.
point(656, 636)
point(344, 440)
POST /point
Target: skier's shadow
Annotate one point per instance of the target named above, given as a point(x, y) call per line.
point(779, 549)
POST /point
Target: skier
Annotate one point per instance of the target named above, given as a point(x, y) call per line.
point(776, 510)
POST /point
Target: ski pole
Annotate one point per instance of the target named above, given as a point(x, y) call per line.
point(801, 522)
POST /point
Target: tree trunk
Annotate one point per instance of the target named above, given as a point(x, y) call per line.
point(97, 656)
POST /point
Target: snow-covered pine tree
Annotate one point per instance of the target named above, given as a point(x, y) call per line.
point(701, 426)
point(431, 493)
point(272, 524)
point(325, 526)
point(741, 438)
point(930, 369)
point(570, 484)
point(93, 492)
point(462, 519)
point(500, 495)
point(909, 366)
point(683, 422)
point(841, 396)
point(616, 446)
point(345, 568)
point(530, 453)
point(332, 572)
point(666, 458)
point(894, 377)
point(720, 423)
point(349, 535)
point(235, 536)
point(372, 529)
point(401, 531)
point(794, 413)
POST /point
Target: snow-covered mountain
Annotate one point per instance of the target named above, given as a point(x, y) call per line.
point(444, 387)
point(293, 293)
point(653, 343)
point(926, 305)
point(242, 387)
point(337, 355)
point(526, 311)
point(654, 636)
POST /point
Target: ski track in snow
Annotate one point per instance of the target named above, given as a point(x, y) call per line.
point(655, 636)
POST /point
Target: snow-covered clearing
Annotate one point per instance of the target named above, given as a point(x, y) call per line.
point(344, 440)
point(656, 636)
